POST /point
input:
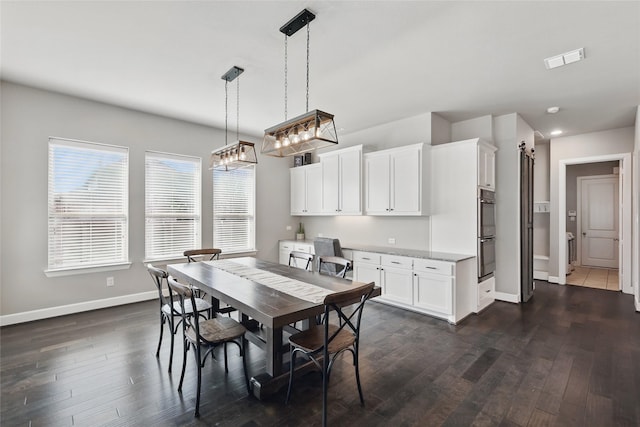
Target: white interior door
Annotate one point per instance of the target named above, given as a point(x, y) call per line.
point(599, 221)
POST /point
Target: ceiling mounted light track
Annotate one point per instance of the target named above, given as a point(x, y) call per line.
point(308, 132)
point(241, 153)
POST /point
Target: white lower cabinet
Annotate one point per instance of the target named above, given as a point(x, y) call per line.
point(439, 288)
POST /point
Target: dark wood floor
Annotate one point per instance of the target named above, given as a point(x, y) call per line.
point(569, 357)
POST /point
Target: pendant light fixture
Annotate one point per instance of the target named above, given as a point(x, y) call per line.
point(307, 132)
point(241, 153)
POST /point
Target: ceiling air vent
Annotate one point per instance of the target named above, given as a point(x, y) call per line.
point(564, 58)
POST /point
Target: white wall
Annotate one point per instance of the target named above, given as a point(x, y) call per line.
point(479, 127)
point(29, 117)
point(541, 194)
point(590, 145)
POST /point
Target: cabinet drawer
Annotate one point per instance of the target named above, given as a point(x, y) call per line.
point(396, 261)
point(306, 248)
point(366, 257)
point(485, 289)
point(286, 246)
point(433, 266)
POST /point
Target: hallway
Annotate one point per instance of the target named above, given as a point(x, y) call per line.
point(598, 278)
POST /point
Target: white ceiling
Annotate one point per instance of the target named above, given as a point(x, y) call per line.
point(371, 61)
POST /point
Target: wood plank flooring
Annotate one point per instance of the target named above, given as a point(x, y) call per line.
point(570, 357)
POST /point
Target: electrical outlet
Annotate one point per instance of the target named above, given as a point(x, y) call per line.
point(392, 240)
point(111, 281)
point(288, 228)
point(319, 234)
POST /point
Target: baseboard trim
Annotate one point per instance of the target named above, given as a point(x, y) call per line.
point(637, 305)
point(503, 296)
point(46, 313)
point(553, 279)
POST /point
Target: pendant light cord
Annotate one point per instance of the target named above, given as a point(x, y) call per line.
point(226, 110)
point(238, 109)
point(285, 77)
point(307, 67)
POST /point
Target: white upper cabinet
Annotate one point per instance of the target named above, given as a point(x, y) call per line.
point(394, 181)
point(486, 166)
point(306, 187)
point(341, 181)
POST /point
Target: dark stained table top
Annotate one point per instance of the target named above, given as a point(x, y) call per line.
point(268, 306)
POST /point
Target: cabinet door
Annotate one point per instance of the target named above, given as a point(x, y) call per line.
point(406, 181)
point(350, 183)
point(330, 183)
point(377, 180)
point(314, 189)
point(298, 191)
point(486, 167)
point(397, 285)
point(366, 273)
point(285, 250)
point(434, 292)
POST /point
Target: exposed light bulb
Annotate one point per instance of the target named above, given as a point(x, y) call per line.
point(277, 144)
point(285, 141)
point(243, 155)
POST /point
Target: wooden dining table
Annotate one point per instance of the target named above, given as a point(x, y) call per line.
point(265, 311)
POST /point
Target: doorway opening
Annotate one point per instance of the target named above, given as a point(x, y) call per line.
point(623, 216)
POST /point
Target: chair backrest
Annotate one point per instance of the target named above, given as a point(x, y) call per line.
point(184, 293)
point(159, 276)
point(303, 256)
point(195, 255)
point(336, 302)
point(333, 265)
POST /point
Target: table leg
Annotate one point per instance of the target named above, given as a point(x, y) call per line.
point(274, 351)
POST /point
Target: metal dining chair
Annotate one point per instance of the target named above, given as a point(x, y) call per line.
point(323, 343)
point(303, 256)
point(207, 254)
point(206, 335)
point(170, 309)
point(334, 265)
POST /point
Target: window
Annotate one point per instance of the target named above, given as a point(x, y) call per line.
point(88, 204)
point(172, 205)
point(234, 201)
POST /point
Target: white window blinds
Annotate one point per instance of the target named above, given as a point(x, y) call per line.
point(234, 200)
point(172, 205)
point(88, 204)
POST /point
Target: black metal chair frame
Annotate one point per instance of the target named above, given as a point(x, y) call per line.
point(334, 303)
point(183, 293)
point(335, 261)
point(159, 275)
point(303, 256)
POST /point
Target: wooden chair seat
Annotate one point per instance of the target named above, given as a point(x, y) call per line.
point(217, 330)
point(311, 340)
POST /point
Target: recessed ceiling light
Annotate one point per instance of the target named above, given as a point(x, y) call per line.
point(556, 132)
point(553, 110)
